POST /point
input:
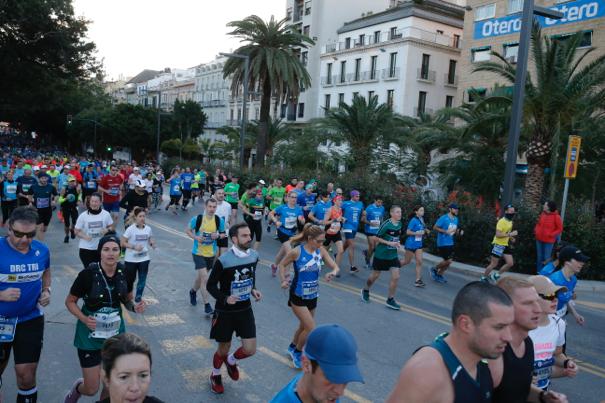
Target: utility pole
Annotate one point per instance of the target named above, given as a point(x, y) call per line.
point(157, 140)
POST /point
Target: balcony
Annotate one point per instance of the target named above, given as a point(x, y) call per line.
point(450, 80)
point(427, 76)
point(342, 79)
point(213, 103)
point(369, 76)
point(214, 124)
point(328, 81)
point(390, 74)
point(426, 111)
point(233, 122)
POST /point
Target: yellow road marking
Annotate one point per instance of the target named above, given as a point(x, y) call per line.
point(595, 305)
point(186, 344)
point(164, 319)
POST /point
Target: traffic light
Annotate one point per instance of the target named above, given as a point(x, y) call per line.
point(69, 119)
point(108, 148)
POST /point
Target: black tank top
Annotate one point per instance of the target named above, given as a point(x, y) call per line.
point(517, 375)
point(466, 389)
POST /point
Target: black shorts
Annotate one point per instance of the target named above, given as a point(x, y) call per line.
point(294, 299)
point(89, 358)
point(332, 238)
point(87, 192)
point(186, 193)
point(234, 206)
point(70, 214)
point(174, 200)
point(202, 262)
point(446, 252)
point(225, 323)
point(256, 228)
point(385, 264)
point(44, 216)
point(222, 242)
point(282, 237)
point(27, 343)
point(499, 250)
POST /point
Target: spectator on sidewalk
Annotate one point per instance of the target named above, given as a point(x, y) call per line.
point(548, 230)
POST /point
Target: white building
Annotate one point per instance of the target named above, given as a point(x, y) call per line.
point(407, 56)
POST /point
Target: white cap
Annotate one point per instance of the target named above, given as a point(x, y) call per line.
point(262, 182)
point(139, 183)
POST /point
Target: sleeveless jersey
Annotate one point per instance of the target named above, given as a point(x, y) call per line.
point(306, 274)
point(517, 376)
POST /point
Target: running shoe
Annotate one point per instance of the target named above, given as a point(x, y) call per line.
point(273, 270)
point(434, 275)
point(216, 384)
point(365, 295)
point(208, 309)
point(268, 229)
point(354, 270)
point(494, 277)
point(66, 239)
point(419, 283)
point(484, 279)
point(297, 359)
point(291, 350)
point(232, 370)
point(441, 279)
point(192, 297)
point(392, 304)
point(73, 395)
point(73, 234)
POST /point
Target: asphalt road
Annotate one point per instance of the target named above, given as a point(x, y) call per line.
point(182, 351)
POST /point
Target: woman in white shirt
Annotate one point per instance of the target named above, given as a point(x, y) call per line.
point(90, 226)
point(137, 239)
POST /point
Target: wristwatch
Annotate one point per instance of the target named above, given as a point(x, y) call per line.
point(47, 289)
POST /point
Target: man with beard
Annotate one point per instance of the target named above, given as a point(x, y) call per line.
point(452, 368)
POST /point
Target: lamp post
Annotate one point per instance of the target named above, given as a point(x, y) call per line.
point(514, 130)
point(70, 119)
point(242, 133)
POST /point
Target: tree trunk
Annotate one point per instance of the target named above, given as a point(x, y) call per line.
point(593, 197)
point(556, 140)
point(534, 186)
point(265, 110)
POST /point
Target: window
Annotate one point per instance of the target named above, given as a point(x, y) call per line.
point(301, 110)
point(393, 33)
point(231, 115)
point(357, 68)
point(362, 40)
point(585, 42)
point(421, 102)
point(515, 6)
point(329, 72)
point(424, 68)
point(456, 41)
point(239, 115)
point(355, 94)
point(256, 113)
point(370, 95)
point(449, 101)
point(307, 7)
point(343, 71)
point(392, 64)
point(390, 98)
point(485, 12)
point(511, 50)
point(475, 93)
point(341, 98)
point(327, 101)
point(304, 58)
point(376, 36)
point(306, 30)
point(347, 43)
point(480, 54)
point(289, 13)
point(451, 72)
point(373, 63)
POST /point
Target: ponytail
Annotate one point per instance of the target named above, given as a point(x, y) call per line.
point(309, 231)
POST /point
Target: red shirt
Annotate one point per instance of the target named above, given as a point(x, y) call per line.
point(112, 184)
point(548, 227)
point(76, 173)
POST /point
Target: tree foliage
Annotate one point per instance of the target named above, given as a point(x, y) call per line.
point(188, 118)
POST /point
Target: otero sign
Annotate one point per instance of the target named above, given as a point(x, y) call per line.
point(574, 11)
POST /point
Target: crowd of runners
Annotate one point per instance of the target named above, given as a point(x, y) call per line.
point(518, 325)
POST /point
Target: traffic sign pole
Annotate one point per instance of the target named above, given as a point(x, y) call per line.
point(571, 168)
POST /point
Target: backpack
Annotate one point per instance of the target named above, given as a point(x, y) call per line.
point(198, 222)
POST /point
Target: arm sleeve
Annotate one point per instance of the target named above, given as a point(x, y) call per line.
point(221, 227)
point(213, 280)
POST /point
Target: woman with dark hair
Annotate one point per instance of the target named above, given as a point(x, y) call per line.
point(548, 229)
point(90, 226)
point(414, 242)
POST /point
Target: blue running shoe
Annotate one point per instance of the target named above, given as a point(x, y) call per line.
point(297, 359)
point(434, 275)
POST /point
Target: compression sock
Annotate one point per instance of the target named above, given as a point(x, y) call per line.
point(28, 396)
point(239, 354)
point(217, 363)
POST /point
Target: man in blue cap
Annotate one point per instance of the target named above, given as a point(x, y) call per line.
point(329, 363)
point(446, 227)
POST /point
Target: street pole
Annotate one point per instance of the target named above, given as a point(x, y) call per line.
point(244, 114)
point(564, 205)
point(157, 140)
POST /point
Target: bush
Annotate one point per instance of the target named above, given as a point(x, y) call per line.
point(171, 147)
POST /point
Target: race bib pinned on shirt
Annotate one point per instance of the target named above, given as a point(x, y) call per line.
point(7, 329)
point(107, 323)
point(290, 222)
point(310, 289)
point(241, 289)
point(43, 202)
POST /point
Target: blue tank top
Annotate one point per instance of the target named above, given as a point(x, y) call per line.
point(306, 274)
point(9, 191)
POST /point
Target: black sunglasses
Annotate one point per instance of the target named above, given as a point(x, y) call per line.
point(551, 297)
point(20, 234)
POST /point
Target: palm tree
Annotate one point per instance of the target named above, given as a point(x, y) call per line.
point(364, 124)
point(232, 145)
point(560, 91)
point(277, 131)
point(275, 67)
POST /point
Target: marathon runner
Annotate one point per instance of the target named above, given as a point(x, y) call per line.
point(275, 196)
point(333, 221)
point(110, 188)
point(133, 177)
point(232, 283)
point(285, 218)
point(8, 193)
point(137, 240)
point(329, 363)
point(292, 185)
point(205, 230)
point(43, 199)
point(446, 227)
point(352, 210)
point(386, 257)
point(23, 184)
point(157, 190)
point(68, 199)
point(90, 180)
point(103, 286)
point(453, 368)
point(414, 243)
point(372, 218)
point(501, 246)
point(25, 281)
point(175, 190)
point(320, 210)
point(253, 209)
point(307, 257)
point(91, 225)
point(223, 210)
point(135, 198)
point(306, 200)
point(195, 187)
point(232, 197)
point(186, 182)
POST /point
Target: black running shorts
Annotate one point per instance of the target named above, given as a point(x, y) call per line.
point(225, 323)
point(27, 343)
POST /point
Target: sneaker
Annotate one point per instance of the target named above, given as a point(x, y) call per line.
point(419, 283)
point(354, 269)
point(484, 279)
point(73, 234)
point(297, 359)
point(392, 304)
point(441, 279)
point(232, 371)
point(66, 239)
point(494, 277)
point(273, 270)
point(291, 351)
point(73, 395)
point(208, 309)
point(365, 295)
point(216, 384)
point(192, 297)
point(434, 275)
point(268, 229)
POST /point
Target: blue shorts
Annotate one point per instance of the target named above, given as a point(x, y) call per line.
point(112, 207)
point(349, 235)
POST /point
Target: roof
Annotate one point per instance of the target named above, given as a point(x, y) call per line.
point(143, 76)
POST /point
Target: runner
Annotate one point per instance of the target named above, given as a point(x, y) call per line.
point(149, 189)
point(175, 190)
point(329, 363)
point(157, 190)
point(232, 282)
point(307, 259)
point(135, 198)
point(91, 225)
point(386, 257)
point(8, 193)
point(137, 239)
point(24, 293)
point(69, 198)
point(110, 188)
point(90, 183)
point(43, 199)
point(333, 221)
point(223, 210)
point(186, 181)
point(290, 187)
point(23, 184)
point(415, 232)
point(103, 286)
point(452, 368)
point(306, 201)
point(133, 177)
point(275, 196)
point(253, 210)
point(501, 246)
point(352, 210)
point(320, 210)
point(195, 187)
point(289, 214)
point(232, 197)
point(205, 229)
point(446, 227)
point(372, 218)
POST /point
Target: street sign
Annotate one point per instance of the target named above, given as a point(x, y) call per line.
point(573, 157)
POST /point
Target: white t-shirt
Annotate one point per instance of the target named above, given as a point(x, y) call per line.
point(223, 210)
point(148, 185)
point(546, 339)
point(91, 225)
point(132, 179)
point(137, 236)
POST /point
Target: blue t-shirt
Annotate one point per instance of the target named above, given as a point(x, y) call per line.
point(288, 393)
point(90, 180)
point(445, 222)
point(548, 269)
point(10, 190)
point(288, 218)
point(320, 209)
point(305, 200)
point(564, 297)
point(374, 216)
point(187, 178)
point(23, 271)
point(415, 241)
point(175, 187)
point(352, 213)
point(18, 172)
point(26, 182)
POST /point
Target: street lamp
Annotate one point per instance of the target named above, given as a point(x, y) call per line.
point(514, 130)
point(242, 133)
point(157, 138)
point(70, 119)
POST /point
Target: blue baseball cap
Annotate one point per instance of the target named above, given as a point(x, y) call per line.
point(454, 206)
point(334, 348)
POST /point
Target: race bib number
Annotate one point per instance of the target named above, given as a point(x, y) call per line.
point(290, 222)
point(176, 188)
point(452, 227)
point(498, 250)
point(26, 188)
point(543, 371)
point(335, 227)
point(375, 224)
point(207, 238)
point(91, 184)
point(7, 329)
point(258, 215)
point(234, 195)
point(42, 202)
point(94, 228)
point(392, 239)
point(310, 289)
point(11, 188)
point(355, 217)
point(418, 238)
point(114, 191)
point(241, 289)
point(107, 324)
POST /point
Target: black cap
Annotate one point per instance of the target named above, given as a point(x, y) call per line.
point(570, 252)
point(111, 237)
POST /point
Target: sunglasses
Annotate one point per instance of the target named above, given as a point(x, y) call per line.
point(551, 297)
point(320, 240)
point(19, 234)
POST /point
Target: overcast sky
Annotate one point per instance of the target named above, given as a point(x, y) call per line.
point(132, 35)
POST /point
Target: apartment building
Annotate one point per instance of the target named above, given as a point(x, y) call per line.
point(494, 25)
point(407, 56)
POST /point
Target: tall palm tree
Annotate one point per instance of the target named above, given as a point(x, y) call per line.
point(277, 131)
point(563, 86)
point(275, 67)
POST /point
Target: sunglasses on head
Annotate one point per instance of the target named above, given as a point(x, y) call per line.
point(550, 297)
point(19, 234)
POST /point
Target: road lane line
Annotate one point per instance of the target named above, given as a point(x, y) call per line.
point(163, 319)
point(186, 344)
point(595, 305)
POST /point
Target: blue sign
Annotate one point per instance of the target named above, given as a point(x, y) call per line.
point(574, 11)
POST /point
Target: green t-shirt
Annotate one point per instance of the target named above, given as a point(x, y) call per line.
point(256, 207)
point(232, 192)
point(277, 196)
point(389, 232)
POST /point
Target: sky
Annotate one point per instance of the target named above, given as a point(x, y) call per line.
point(132, 35)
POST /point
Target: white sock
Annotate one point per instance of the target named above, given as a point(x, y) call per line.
point(216, 371)
point(231, 359)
